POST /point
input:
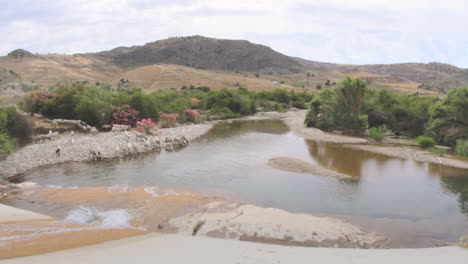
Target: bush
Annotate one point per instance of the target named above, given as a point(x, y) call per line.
point(438, 151)
point(94, 107)
point(462, 147)
point(168, 120)
point(125, 115)
point(191, 115)
point(425, 142)
point(449, 118)
point(22, 130)
point(378, 133)
point(7, 144)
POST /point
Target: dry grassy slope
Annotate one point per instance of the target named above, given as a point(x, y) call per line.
point(10, 82)
point(155, 77)
point(47, 70)
point(433, 76)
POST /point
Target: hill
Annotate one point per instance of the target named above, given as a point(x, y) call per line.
point(203, 53)
point(432, 76)
point(217, 63)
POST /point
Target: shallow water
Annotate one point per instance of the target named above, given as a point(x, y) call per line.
point(407, 200)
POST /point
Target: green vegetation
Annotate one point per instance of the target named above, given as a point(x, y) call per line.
point(425, 142)
point(462, 147)
point(449, 117)
point(15, 129)
point(340, 107)
point(438, 151)
point(378, 133)
point(352, 107)
point(97, 106)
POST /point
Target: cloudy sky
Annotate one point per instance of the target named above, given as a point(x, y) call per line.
point(343, 31)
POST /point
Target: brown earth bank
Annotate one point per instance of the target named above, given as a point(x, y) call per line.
point(106, 213)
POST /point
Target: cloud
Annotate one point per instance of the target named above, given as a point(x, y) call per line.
point(358, 31)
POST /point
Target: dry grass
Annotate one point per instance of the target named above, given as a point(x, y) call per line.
point(49, 70)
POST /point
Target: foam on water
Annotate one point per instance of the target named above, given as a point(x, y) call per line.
point(118, 218)
point(118, 188)
point(152, 190)
point(60, 186)
point(82, 215)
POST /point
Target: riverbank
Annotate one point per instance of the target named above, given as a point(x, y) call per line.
point(79, 147)
point(168, 249)
point(106, 145)
point(295, 120)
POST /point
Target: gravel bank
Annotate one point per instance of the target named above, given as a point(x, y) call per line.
point(79, 147)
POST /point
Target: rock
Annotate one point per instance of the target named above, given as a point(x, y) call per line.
point(119, 128)
point(463, 241)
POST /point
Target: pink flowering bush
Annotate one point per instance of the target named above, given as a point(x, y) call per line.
point(146, 125)
point(125, 115)
point(191, 115)
point(168, 120)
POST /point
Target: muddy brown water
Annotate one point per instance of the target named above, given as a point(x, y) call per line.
point(416, 204)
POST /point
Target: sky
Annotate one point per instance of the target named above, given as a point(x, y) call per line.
point(339, 31)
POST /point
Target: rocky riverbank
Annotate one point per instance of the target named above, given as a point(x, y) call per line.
point(105, 145)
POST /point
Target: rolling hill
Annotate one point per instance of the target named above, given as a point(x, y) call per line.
point(217, 63)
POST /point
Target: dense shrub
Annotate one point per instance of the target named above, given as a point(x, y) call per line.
point(378, 133)
point(97, 106)
point(449, 117)
point(191, 115)
point(7, 144)
point(340, 107)
point(146, 126)
point(462, 147)
point(15, 129)
point(125, 115)
point(168, 120)
point(94, 107)
point(425, 142)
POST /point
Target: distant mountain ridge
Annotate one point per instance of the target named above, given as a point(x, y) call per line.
point(219, 63)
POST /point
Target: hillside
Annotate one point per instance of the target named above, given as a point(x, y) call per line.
point(432, 76)
point(217, 63)
point(51, 69)
point(203, 53)
point(163, 76)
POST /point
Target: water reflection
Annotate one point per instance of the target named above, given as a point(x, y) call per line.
point(458, 186)
point(232, 160)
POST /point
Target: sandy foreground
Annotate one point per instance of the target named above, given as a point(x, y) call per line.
point(155, 248)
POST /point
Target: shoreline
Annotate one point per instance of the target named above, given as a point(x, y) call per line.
point(295, 122)
point(120, 144)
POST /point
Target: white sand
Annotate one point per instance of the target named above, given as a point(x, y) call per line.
point(10, 214)
point(155, 248)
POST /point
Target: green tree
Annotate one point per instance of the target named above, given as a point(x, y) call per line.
point(94, 107)
point(449, 117)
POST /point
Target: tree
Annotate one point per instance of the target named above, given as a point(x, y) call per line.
point(449, 118)
point(94, 107)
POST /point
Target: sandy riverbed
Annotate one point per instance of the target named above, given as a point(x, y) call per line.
point(94, 215)
point(300, 166)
